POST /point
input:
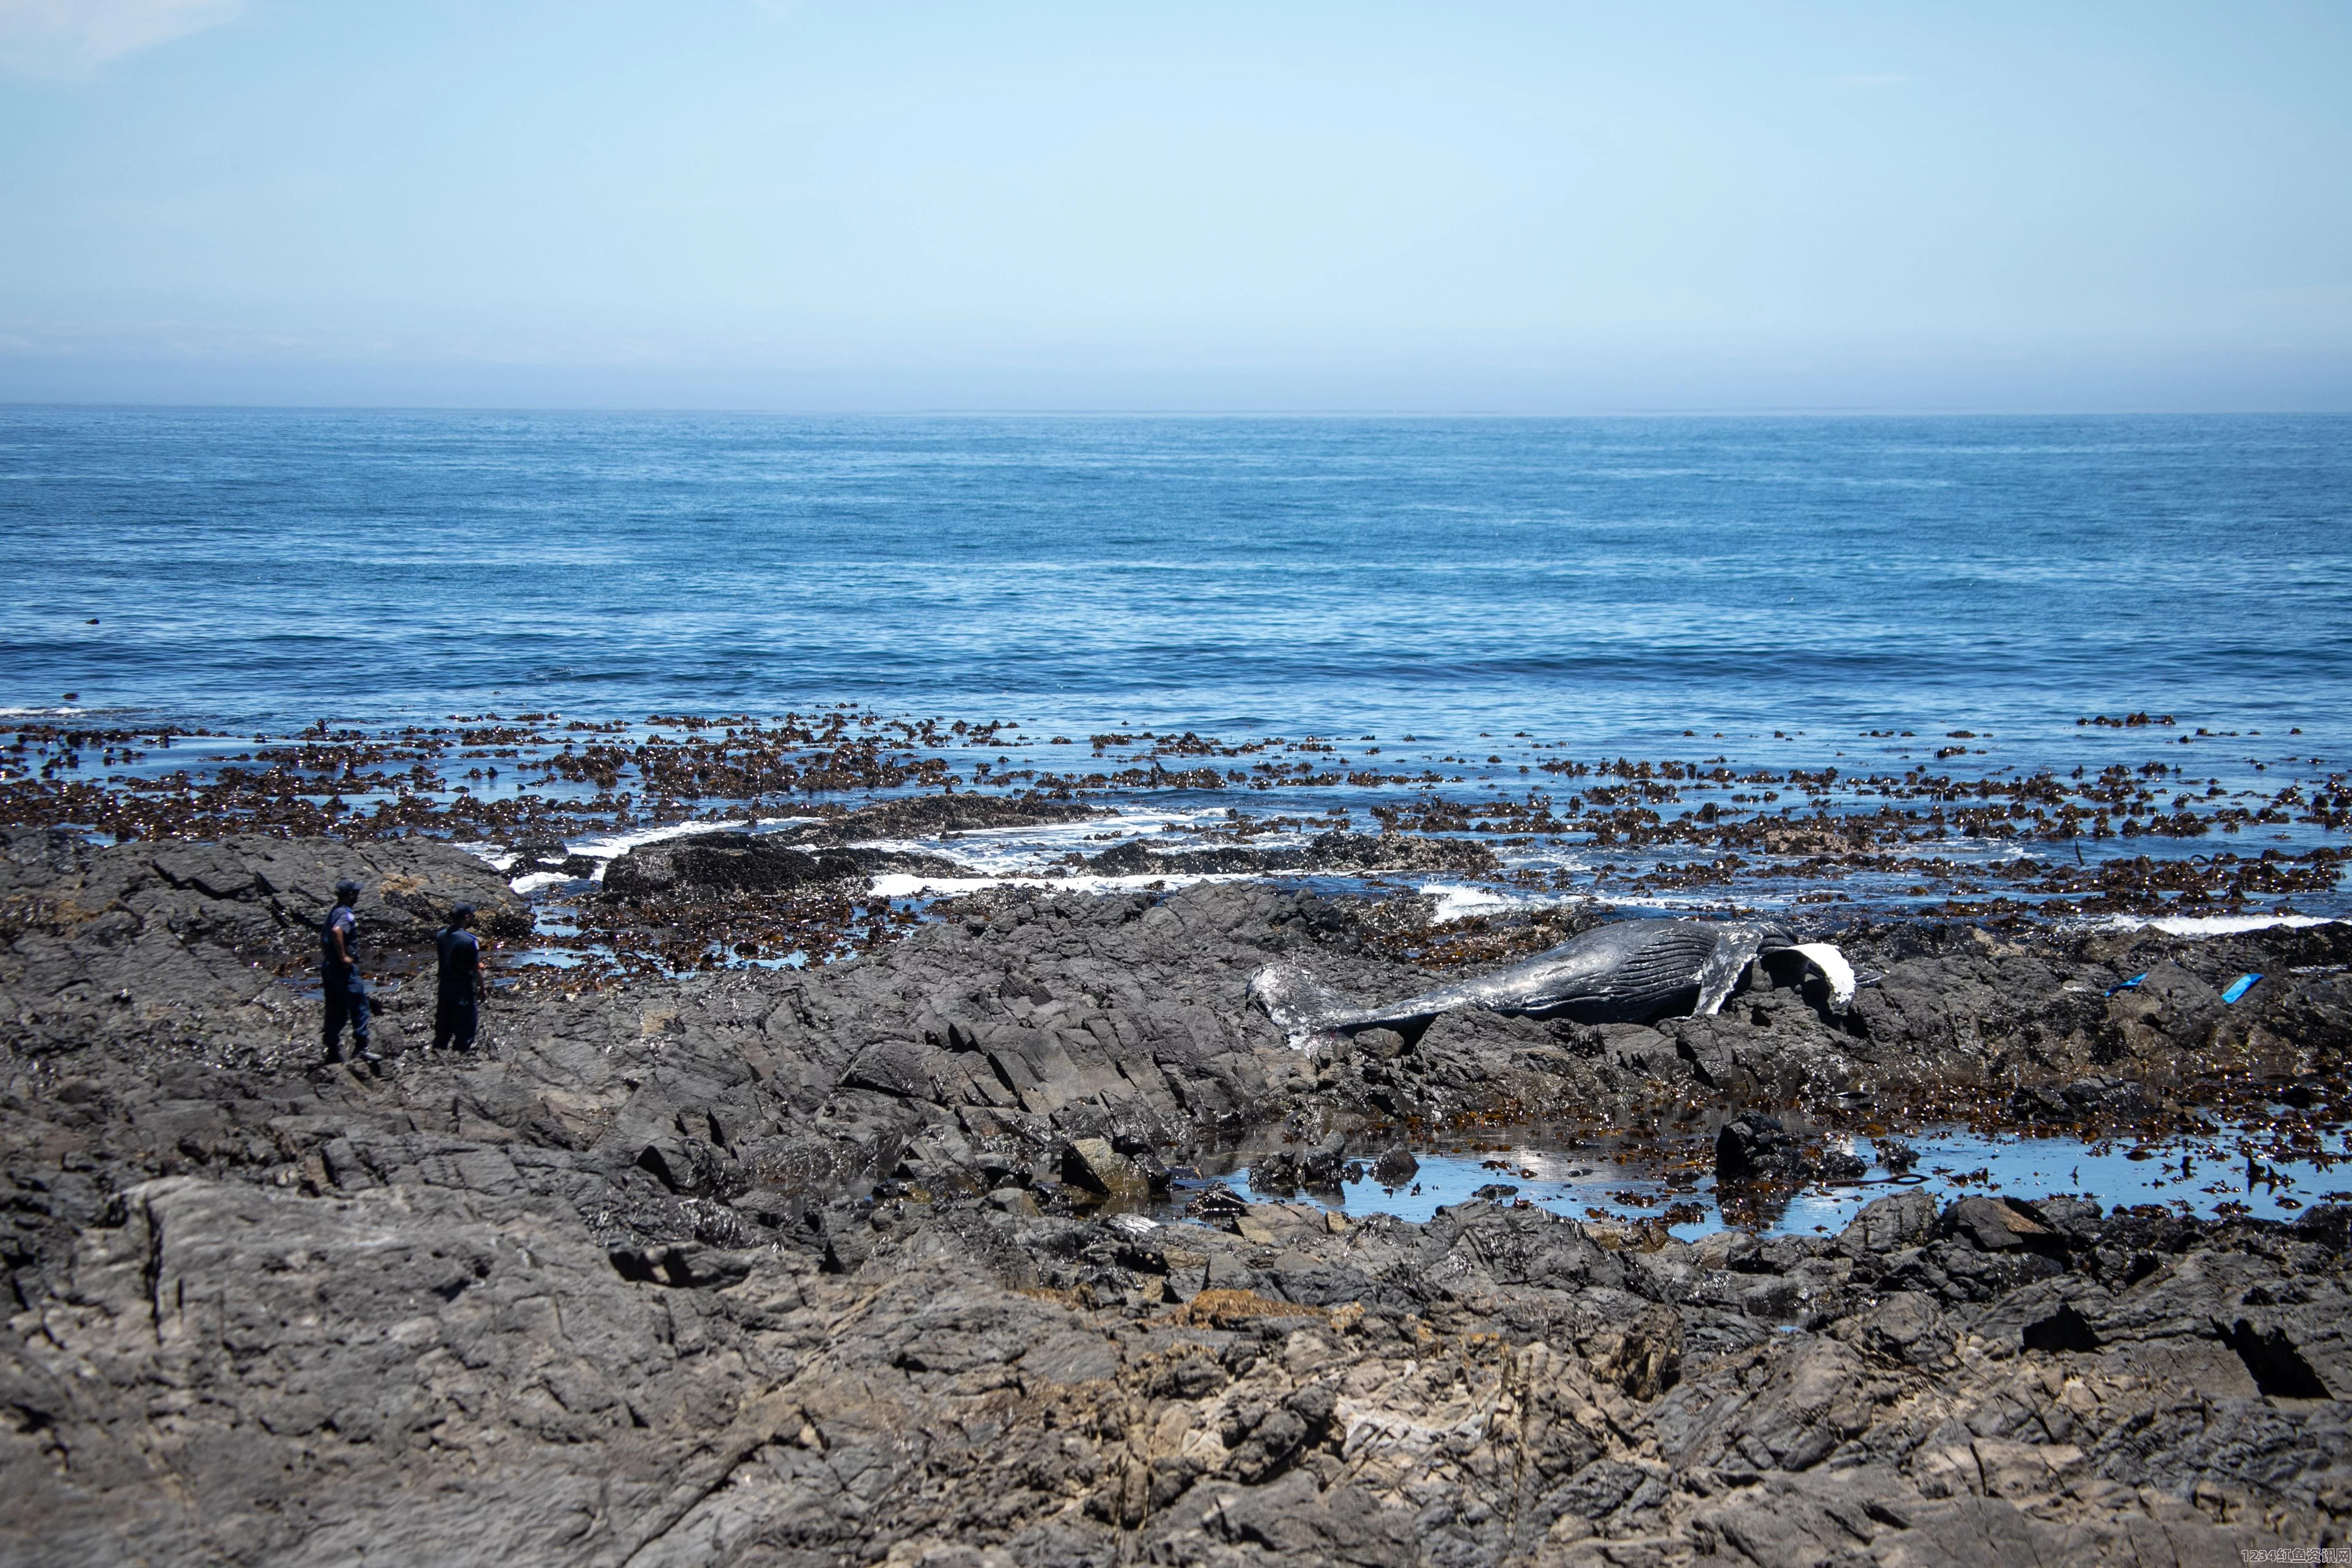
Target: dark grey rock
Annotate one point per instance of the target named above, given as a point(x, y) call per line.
point(1325, 1165)
point(1991, 1225)
point(929, 816)
point(1093, 1164)
point(1328, 853)
point(707, 865)
point(1889, 1224)
point(765, 1268)
point(1753, 1146)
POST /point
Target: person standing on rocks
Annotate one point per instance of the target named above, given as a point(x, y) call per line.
point(338, 968)
point(464, 986)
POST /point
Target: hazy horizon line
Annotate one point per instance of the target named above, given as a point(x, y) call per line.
point(1021, 412)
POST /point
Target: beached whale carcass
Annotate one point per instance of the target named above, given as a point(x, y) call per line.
point(1631, 972)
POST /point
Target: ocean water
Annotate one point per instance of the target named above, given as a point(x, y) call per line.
point(1471, 615)
point(1606, 582)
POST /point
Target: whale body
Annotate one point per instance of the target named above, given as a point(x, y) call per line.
point(1633, 971)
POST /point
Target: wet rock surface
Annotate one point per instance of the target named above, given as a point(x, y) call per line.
point(917, 815)
point(842, 1266)
point(1326, 853)
point(717, 864)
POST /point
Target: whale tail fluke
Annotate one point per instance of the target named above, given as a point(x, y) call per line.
point(1302, 1006)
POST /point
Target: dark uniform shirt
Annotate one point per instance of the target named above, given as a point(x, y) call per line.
point(461, 961)
point(342, 920)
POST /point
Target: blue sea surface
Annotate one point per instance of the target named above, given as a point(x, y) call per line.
point(1606, 583)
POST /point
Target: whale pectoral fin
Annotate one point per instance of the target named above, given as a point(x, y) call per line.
point(1826, 958)
point(1719, 977)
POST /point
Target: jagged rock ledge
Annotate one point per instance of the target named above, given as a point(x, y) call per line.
point(763, 1267)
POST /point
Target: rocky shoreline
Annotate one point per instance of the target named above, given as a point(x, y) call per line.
point(1957, 826)
point(856, 1263)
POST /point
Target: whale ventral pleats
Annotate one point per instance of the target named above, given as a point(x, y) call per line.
point(1631, 972)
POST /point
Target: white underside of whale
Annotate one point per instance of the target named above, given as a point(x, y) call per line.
point(1832, 965)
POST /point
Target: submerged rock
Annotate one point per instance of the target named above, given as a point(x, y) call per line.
point(1093, 1164)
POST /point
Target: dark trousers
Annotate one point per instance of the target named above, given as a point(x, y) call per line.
point(455, 1023)
point(347, 1003)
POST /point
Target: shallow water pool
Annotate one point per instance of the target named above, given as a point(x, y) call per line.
point(2263, 1170)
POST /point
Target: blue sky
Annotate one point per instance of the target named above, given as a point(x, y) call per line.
point(1498, 208)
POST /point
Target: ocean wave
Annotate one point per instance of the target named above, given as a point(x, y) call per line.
point(908, 885)
point(2208, 925)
